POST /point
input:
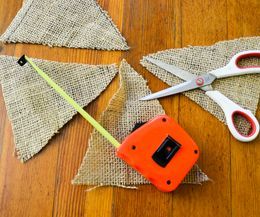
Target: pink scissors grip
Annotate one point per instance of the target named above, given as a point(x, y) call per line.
point(230, 108)
point(233, 69)
point(249, 119)
point(246, 55)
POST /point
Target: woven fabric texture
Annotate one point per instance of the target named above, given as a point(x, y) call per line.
point(244, 90)
point(100, 165)
point(35, 110)
point(65, 23)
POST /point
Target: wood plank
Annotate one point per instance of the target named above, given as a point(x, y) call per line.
point(204, 23)
point(25, 189)
point(245, 158)
point(150, 26)
point(75, 200)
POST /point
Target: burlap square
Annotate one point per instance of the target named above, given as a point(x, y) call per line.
point(100, 166)
point(65, 23)
point(35, 110)
point(244, 90)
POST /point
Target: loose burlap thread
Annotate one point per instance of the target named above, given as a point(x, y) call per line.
point(65, 23)
point(100, 166)
point(244, 90)
point(35, 110)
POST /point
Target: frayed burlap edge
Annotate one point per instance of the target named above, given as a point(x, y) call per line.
point(4, 38)
point(35, 110)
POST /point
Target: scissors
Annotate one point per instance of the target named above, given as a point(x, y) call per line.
point(230, 108)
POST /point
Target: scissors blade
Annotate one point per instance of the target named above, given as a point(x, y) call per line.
point(171, 91)
point(207, 79)
point(184, 75)
point(192, 81)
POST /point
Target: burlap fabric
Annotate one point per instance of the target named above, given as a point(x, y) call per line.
point(100, 166)
point(65, 23)
point(243, 90)
point(35, 110)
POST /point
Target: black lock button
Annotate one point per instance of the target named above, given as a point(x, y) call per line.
point(166, 151)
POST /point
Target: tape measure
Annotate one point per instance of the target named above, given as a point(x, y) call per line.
point(160, 149)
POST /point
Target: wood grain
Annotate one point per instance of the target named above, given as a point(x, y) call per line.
point(42, 186)
point(215, 148)
point(245, 159)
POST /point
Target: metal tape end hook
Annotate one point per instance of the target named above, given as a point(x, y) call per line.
point(22, 61)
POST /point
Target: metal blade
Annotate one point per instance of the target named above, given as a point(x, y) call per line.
point(192, 81)
point(188, 85)
point(185, 75)
point(171, 91)
point(172, 69)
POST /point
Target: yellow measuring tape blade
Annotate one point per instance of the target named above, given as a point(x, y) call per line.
point(85, 115)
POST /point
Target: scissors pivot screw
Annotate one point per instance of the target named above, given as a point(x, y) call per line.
point(199, 81)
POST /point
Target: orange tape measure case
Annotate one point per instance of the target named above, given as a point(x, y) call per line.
point(161, 151)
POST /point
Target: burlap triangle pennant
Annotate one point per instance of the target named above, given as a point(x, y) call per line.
point(244, 90)
point(35, 110)
point(100, 166)
point(65, 23)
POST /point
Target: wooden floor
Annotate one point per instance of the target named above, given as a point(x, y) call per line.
point(42, 186)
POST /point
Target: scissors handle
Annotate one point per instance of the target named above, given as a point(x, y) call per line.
point(231, 109)
point(233, 69)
